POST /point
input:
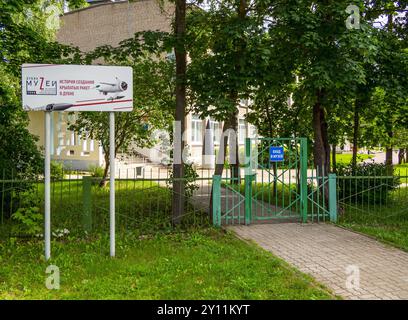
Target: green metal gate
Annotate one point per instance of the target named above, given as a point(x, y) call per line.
point(271, 190)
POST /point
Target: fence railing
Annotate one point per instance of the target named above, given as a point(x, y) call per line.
point(79, 204)
point(144, 200)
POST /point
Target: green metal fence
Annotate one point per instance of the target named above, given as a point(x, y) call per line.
point(377, 198)
point(330, 198)
point(79, 204)
point(144, 199)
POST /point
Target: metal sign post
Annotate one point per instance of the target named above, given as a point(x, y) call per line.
point(47, 186)
point(112, 183)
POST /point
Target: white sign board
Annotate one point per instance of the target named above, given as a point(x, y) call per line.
point(49, 87)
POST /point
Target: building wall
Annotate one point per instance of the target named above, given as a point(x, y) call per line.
point(67, 147)
point(110, 23)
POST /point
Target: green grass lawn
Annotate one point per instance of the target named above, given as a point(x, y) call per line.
point(345, 158)
point(387, 222)
point(207, 264)
point(402, 171)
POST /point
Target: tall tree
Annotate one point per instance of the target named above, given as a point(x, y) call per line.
point(180, 111)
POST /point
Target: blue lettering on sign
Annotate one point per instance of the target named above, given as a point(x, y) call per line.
point(276, 154)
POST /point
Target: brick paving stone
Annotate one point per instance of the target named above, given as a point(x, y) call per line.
point(324, 251)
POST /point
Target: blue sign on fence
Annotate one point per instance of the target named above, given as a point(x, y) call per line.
point(276, 154)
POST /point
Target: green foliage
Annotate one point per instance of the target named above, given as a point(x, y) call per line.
point(373, 181)
point(96, 171)
point(57, 170)
point(28, 216)
point(25, 37)
point(190, 180)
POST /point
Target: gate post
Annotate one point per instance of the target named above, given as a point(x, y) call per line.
point(248, 182)
point(248, 199)
point(333, 197)
point(303, 179)
point(87, 203)
point(216, 201)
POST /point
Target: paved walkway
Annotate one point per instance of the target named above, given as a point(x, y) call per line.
point(334, 257)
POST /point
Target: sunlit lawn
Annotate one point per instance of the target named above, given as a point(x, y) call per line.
point(205, 264)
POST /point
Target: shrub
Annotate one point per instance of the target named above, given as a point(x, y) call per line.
point(372, 182)
point(28, 216)
point(190, 179)
point(57, 170)
point(96, 171)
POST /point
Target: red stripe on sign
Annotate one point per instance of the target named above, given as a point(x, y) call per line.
point(91, 100)
point(97, 103)
point(43, 65)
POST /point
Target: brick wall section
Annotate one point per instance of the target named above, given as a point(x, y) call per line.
point(110, 23)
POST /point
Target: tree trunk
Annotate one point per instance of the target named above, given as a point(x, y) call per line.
point(334, 160)
point(406, 155)
point(388, 151)
point(321, 149)
point(271, 134)
point(401, 156)
point(235, 172)
point(178, 202)
point(356, 129)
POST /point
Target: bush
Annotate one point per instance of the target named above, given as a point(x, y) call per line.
point(96, 171)
point(28, 216)
point(370, 181)
point(57, 170)
point(190, 179)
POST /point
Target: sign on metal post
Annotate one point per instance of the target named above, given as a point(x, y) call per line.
point(77, 88)
point(276, 154)
point(49, 87)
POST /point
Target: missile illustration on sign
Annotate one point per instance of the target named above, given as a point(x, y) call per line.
point(107, 88)
point(58, 106)
point(51, 107)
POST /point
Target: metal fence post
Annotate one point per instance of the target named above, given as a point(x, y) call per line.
point(333, 197)
point(216, 205)
point(303, 179)
point(87, 203)
point(248, 182)
point(248, 199)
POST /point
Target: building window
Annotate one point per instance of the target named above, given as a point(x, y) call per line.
point(241, 131)
point(196, 129)
point(215, 126)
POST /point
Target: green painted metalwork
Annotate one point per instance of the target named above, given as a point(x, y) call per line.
point(303, 178)
point(248, 199)
point(333, 197)
point(271, 189)
point(216, 198)
point(280, 188)
point(87, 203)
